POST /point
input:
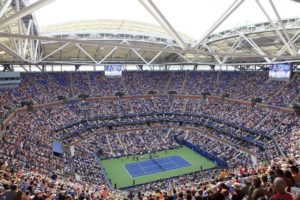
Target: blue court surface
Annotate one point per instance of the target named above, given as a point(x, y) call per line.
point(156, 165)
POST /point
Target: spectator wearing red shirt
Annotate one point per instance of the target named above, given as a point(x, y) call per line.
point(251, 171)
point(279, 190)
point(289, 181)
point(243, 170)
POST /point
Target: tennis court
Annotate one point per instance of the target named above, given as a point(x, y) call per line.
point(118, 173)
point(156, 165)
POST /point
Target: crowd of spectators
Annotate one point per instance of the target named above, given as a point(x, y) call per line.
point(27, 160)
point(265, 121)
point(287, 94)
point(6, 107)
point(46, 87)
point(277, 180)
point(233, 156)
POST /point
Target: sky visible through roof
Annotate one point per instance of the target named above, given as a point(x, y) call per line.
point(192, 17)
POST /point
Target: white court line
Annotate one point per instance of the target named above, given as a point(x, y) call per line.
point(141, 168)
point(151, 172)
point(178, 167)
point(185, 160)
point(138, 166)
point(176, 164)
point(168, 159)
point(127, 171)
point(157, 160)
point(172, 162)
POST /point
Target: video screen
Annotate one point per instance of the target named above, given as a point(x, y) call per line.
point(113, 70)
point(280, 71)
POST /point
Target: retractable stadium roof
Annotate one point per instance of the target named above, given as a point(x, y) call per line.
point(127, 41)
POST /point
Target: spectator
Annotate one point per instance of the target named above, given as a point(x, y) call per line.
point(295, 174)
point(266, 185)
point(288, 179)
point(247, 185)
point(2, 192)
point(11, 194)
point(279, 190)
point(256, 191)
point(237, 194)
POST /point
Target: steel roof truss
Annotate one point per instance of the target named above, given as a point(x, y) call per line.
point(25, 11)
point(294, 39)
point(217, 58)
point(39, 68)
point(20, 29)
point(155, 57)
point(12, 40)
point(137, 46)
point(220, 20)
point(107, 55)
point(97, 51)
point(290, 43)
point(256, 47)
point(5, 7)
point(250, 29)
point(139, 55)
point(36, 51)
point(86, 53)
point(53, 52)
point(162, 20)
point(235, 45)
point(12, 52)
point(30, 25)
point(182, 56)
point(275, 27)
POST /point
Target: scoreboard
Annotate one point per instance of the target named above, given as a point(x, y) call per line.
point(113, 70)
point(280, 71)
